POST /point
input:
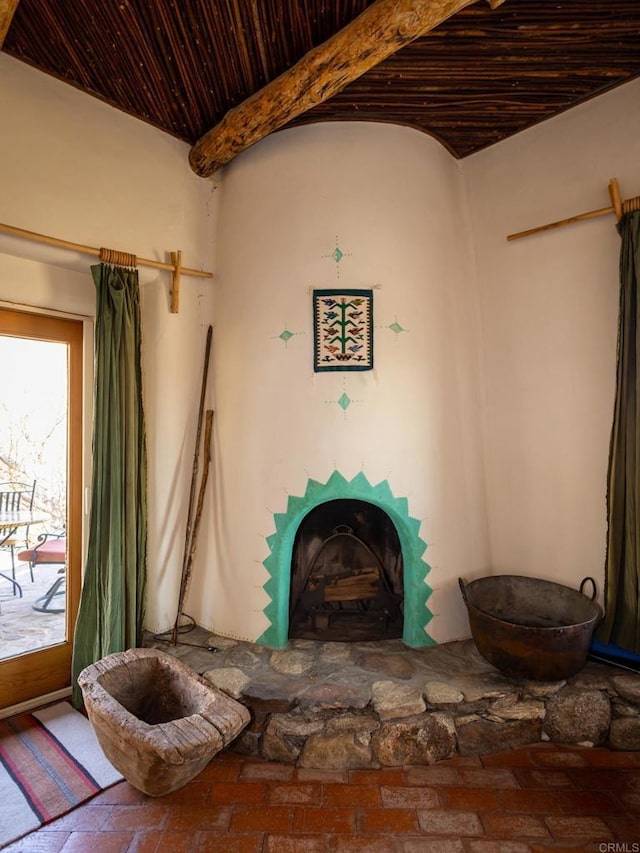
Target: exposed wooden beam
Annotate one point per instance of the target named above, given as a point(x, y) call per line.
point(7, 11)
point(381, 30)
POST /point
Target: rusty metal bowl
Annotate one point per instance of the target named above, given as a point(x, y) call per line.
point(531, 628)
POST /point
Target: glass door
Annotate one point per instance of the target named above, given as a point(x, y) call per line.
point(41, 358)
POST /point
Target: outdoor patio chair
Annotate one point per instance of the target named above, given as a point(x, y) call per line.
point(51, 549)
point(14, 497)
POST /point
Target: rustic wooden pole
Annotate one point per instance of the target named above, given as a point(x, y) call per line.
point(176, 260)
point(47, 240)
point(616, 198)
point(7, 11)
point(618, 206)
point(381, 30)
point(192, 491)
point(579, 217)
point(199, 505)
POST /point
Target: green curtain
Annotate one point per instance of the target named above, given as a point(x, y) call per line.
point(621, 624)
point(112, 601)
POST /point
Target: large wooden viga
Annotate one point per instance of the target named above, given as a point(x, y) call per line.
point(381, 30)
point(7, 11)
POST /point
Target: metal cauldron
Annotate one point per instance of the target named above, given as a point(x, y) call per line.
point(531, 628)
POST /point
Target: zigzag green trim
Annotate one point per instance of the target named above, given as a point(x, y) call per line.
point(416, 590)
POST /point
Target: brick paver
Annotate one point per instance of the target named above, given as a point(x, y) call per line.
point(528, 800)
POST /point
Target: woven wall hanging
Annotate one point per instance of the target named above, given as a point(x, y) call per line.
point(342, 330)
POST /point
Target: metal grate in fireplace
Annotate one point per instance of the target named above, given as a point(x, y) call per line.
point(346, 574)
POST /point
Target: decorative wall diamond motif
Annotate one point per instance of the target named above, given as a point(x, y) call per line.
point(285, 335)
point(344, 402)
point(337, 255)
point(342, 330)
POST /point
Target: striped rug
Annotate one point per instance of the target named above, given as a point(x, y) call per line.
point(50, 761)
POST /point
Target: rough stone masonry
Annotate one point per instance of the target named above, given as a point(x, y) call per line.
point(358, 705)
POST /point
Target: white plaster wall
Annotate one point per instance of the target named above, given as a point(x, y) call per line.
point(539, 376)
point(549, 313)
point(75, 168)
point(393, 200)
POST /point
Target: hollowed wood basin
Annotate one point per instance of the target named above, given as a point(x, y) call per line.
point(156, 720)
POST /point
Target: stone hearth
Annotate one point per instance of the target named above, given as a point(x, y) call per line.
point(351, 705)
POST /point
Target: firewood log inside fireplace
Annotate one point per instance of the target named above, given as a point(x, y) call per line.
point(352, 586)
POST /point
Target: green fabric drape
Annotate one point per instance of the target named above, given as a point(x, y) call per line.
point(112, 601)
point(621, 624)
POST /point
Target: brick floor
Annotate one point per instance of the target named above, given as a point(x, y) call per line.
point(530, 800)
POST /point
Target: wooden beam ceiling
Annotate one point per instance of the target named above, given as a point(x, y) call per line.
point(476, 79)
point(380, 31)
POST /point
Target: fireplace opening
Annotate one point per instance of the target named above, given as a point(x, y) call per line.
point(346, 575)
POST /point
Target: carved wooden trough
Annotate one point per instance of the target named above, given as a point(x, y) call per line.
point(157, 721)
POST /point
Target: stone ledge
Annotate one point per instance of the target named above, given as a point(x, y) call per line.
point(358, 705)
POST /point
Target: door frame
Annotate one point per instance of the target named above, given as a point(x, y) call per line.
point(29, 677)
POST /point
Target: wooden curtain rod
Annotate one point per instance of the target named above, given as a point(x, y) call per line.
point(617, 206)
point(175, 266)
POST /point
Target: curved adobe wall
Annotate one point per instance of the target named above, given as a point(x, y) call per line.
point(351, 206)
